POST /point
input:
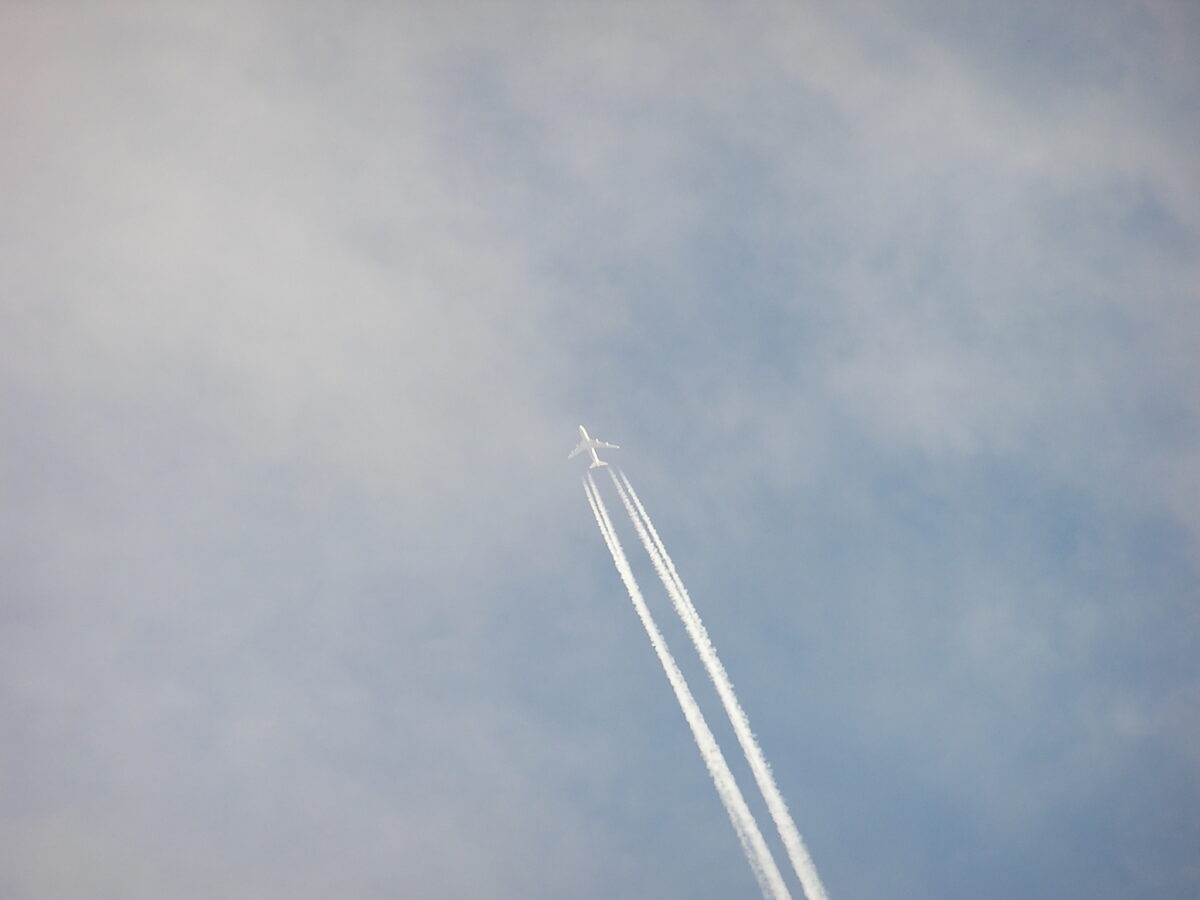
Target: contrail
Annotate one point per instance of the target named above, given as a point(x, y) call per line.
point(806, 871)
point(758, 854)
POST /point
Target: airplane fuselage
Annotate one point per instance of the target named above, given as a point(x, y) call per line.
point(596, 460)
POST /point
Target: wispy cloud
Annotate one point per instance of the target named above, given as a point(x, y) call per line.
point(300, 304)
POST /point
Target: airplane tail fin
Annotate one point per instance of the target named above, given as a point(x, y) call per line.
point(597, 464)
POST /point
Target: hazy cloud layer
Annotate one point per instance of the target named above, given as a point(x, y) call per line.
point(892, 308)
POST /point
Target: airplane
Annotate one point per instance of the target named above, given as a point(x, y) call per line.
point(590, 444)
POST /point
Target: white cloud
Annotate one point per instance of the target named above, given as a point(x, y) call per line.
point(301, 306)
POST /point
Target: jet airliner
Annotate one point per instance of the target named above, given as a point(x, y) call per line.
point(590, 444)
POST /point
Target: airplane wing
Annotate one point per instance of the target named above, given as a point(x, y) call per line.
point(583, 445)
point(606, 446)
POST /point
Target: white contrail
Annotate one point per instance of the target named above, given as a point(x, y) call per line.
point(806, 871)
point(770, 881)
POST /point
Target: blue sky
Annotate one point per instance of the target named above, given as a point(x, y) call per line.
point(892, 308)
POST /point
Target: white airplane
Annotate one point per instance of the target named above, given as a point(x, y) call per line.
point(590, 444)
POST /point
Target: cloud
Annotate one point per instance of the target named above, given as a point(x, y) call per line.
point(303, 305)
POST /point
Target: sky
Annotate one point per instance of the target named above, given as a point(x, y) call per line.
point(894, 309)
